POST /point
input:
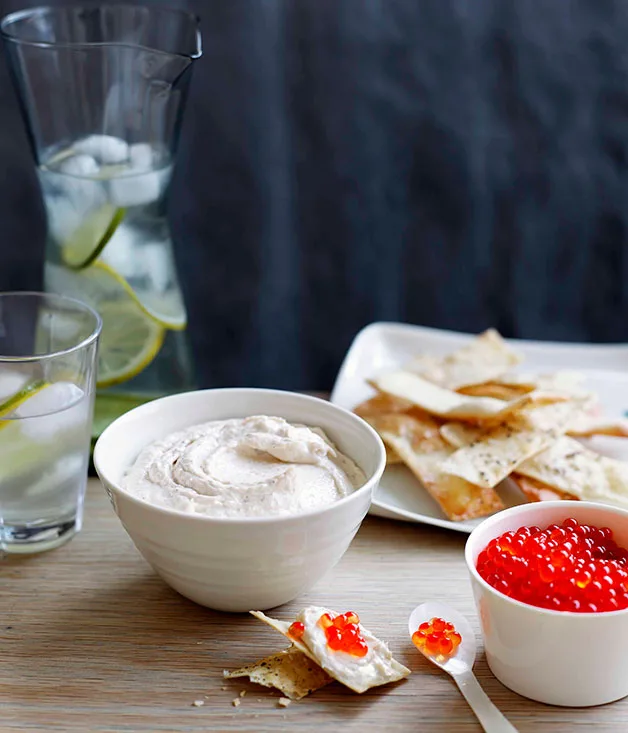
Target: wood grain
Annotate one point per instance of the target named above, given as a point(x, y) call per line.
point(92, 640)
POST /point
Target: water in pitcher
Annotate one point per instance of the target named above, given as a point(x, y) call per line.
point(103, 91)
point(109, 245)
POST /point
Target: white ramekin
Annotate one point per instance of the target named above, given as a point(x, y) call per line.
point(554, 657)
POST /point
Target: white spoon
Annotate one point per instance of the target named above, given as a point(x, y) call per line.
point(460, 666)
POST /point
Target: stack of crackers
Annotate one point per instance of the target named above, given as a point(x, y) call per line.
point(464, 423)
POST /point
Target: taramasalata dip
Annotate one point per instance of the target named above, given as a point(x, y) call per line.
point(246, 467)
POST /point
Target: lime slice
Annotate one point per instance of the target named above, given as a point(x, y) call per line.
point(12, 381)
point(35, 450)
point(130, 339)
point(92, 236)
point(13, 402)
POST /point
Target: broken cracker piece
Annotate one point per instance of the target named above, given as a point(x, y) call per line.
point(561, 380)
point(586, 426)
point(496, 453)
point(567, 466)
point(382, 404)
point(283, 702)
point(360, 674)
point(495, 390)
point(484, 358)
point(423, 449)
point(459, 434)
point(289, 671)
point(557, 418)
point(392, 457)
point(537, 491)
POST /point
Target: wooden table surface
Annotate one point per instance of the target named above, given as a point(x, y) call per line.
point(92, 640)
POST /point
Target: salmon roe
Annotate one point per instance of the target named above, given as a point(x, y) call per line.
point(437, 637)
point(567, 567)
point(343, 633)
point(296, 630)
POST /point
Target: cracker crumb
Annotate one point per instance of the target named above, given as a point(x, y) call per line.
point(242, 693)
point(224, 687)
point(198, 703)
point(283, 702)
point(236, 702)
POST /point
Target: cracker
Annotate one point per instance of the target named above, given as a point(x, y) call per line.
point(537, 491)
point(395, 673)
point(459, 434)
point(420, 431)
point(586, 426)
point(423, 450)
point(289, 671)
point(487, 457)
point(487, 356)
point(561, 416)
point(495, 454)
point(382, 404)
point(562, 380)
point(498, 391)
point(509, 387)
point(556, 418)
point(448, 404)
point(392, 457)
point(569, 467)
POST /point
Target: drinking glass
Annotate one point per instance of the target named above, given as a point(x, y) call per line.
point(48, 354)
point(103, 90)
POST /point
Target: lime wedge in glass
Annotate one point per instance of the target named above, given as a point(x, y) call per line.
point(12, 403)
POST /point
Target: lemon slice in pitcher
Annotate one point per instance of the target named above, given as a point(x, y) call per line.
point(128, 344)
point(92, 236)
point(130, 338)
point(167, 309)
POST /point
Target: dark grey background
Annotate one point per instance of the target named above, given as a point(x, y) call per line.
point(454, 163)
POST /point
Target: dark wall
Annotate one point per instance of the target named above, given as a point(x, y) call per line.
point(455, 163)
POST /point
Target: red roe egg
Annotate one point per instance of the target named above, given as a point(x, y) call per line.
point(343, 633)
point(569, 567)
point(437, 637)
point(296, 630)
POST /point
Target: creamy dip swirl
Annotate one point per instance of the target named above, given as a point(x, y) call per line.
point(252, 467)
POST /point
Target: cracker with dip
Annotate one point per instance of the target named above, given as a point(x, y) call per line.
point(318, 633)
point(465, 422)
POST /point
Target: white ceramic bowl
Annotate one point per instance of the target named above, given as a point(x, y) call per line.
point(249, 563)
point(555, 657)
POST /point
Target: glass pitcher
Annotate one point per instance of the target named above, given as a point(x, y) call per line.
point(102, 90)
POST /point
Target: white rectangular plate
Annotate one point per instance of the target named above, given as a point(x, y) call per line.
point(387, 345)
